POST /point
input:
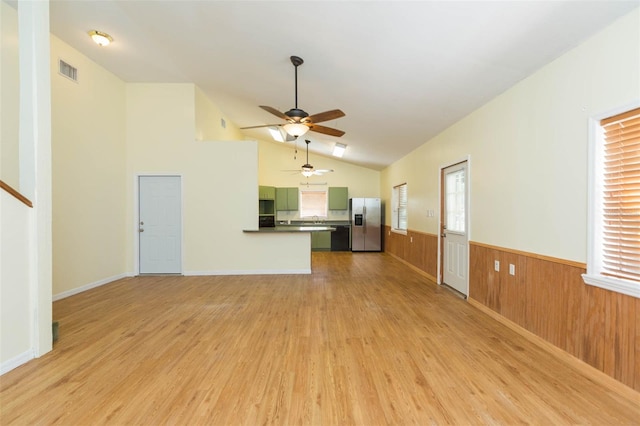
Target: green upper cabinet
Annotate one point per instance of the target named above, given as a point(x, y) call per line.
point(286, 199)
point(338, 198)
point(266, 192)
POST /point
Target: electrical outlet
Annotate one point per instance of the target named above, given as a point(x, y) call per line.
point(512, 269)
point(410, 239)
point(496, 265)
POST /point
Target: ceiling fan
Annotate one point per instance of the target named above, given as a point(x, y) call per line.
point(307, 169)
point(298, 122)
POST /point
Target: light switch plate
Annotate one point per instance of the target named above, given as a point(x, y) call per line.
point(496, 265)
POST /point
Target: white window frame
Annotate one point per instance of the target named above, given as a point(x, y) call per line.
point(395, 193)
point(594, 229)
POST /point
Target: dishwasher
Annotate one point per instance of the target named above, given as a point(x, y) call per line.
point(340, 238)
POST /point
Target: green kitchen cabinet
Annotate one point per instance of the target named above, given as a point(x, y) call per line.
point(338, 198)
point(266, 192)
point(321, 241)
point(286, 199)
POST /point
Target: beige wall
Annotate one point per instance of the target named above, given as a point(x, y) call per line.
point(528, 149)
point(9, 100)
point(89, 171)
point(220, 187)
point(209, 121)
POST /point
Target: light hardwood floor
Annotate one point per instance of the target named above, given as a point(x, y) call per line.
point(363, 340)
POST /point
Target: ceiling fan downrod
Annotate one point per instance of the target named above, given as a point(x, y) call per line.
point(295, 113)
point(296, 61)
point(307, 167)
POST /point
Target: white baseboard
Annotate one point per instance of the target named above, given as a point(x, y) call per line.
point(89, 286)
point(251, 272)
point(17, 361)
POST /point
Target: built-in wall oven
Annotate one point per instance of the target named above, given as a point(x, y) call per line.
point(266, 221)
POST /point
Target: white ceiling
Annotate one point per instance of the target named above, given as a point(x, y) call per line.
point(401, 71)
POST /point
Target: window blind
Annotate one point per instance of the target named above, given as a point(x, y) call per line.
point(401, 206)
point(621, 196)
point(313, 203)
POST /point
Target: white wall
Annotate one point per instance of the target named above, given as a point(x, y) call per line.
point(220, 187)
point(528, 149)
point(25, 233)
point(89, 173)
point(16, 321)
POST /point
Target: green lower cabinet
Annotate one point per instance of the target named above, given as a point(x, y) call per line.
point(321, 240)
point(338, 198)
point(286, 199)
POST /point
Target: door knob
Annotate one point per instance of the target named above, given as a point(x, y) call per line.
point(444, 235)
point(141, 230)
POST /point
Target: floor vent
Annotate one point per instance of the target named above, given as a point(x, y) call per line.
point(68, 71)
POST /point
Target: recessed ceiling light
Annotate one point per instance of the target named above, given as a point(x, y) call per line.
point(276, 134)
point(100, 38)
point(338, 149)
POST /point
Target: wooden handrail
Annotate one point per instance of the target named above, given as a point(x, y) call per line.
point(15, 193)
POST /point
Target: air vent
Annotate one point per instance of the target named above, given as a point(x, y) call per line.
point(68, 71)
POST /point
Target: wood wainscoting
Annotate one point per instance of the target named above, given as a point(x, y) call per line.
point(417, 249)
point(548, 297)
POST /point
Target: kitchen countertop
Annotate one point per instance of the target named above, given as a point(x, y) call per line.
point(292, 228)
point(305, 224)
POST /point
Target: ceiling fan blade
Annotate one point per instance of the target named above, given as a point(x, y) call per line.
point(325, 130)
point(325, 116)
point(321, 171)
point(275, 112)
point(264, 125)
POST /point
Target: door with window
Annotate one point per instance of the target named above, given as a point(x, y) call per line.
point(455, 259)
point(160, 224)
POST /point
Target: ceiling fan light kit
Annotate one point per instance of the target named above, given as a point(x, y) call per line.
point(296, 129)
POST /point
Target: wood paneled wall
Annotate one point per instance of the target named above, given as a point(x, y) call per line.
point(548, 297)
point(416, 248)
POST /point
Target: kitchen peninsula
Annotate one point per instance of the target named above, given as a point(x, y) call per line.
point(279, 232)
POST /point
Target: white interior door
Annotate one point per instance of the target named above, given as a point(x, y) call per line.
point(455, 228)
point(160, 224)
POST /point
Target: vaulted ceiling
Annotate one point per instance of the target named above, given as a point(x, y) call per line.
point(401, 71)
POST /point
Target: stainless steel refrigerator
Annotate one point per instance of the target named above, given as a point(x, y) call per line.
point(366, 224)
